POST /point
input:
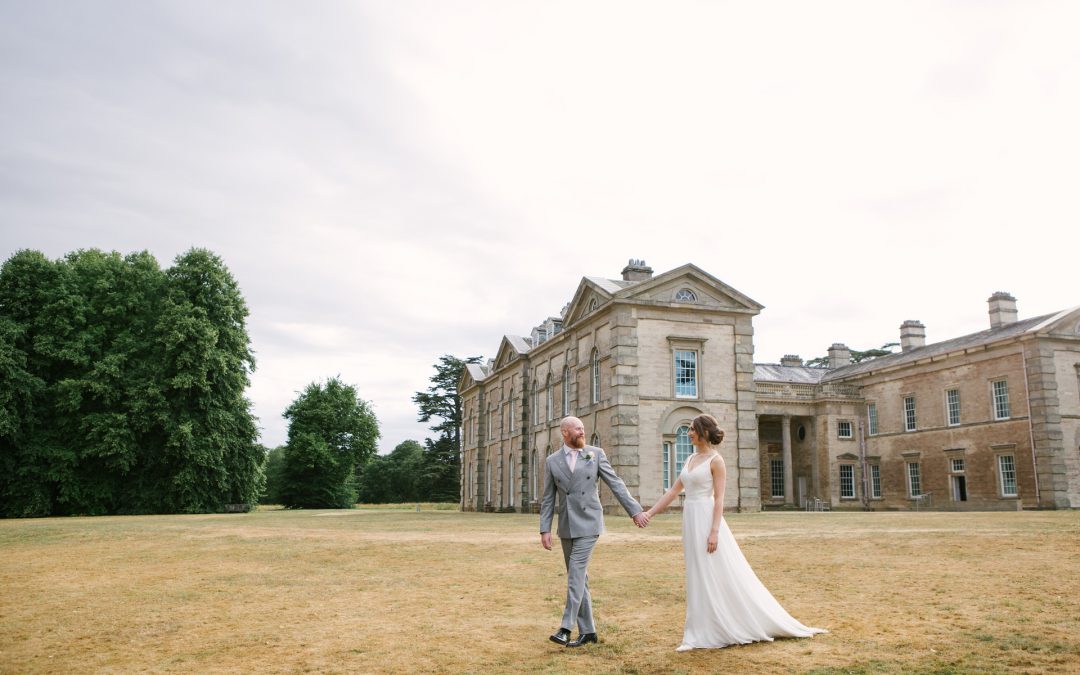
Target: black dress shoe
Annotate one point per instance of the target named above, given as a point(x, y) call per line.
point(561, 637)
point(582, 639)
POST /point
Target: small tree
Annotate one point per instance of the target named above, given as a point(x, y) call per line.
point(856, 355)
point(331, 433)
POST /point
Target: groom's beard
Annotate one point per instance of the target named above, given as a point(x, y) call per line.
point(577, 442)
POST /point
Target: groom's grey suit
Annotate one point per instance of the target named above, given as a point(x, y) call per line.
point(581, 521)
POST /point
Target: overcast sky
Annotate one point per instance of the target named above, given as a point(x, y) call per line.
point(393, 181)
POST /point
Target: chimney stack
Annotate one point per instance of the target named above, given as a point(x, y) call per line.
point(1002, 309)
point(912, 335)
point(791, 360)
point(636, 270)
point(839, 355)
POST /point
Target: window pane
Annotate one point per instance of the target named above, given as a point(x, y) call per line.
point(909, 413)
point(683, 448)
point(667, 465)
point(1001, 400)
point(844, 429)
point(871, 415)
point(776, 473)
point(914, 482)
point(686, 374)
point(952, 401)
point(875, 480)
point(1007, 469)
point(847, 481)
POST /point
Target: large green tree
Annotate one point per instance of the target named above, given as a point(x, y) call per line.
point(112, 364)
point(331, 433)
point(441, 404)
point(397, 477)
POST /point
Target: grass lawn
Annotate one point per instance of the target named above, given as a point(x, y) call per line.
point(401, 590)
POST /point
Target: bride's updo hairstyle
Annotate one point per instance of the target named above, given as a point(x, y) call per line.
point(706, 426)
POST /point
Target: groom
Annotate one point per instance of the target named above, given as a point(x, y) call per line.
point(572, 472)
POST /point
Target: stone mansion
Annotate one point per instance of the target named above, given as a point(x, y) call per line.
point(984, 421)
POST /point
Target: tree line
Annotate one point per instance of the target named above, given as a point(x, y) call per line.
point(122, 391)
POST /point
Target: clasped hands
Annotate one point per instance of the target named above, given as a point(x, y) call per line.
point(642, 519)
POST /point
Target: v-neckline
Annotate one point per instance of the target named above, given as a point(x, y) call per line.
point(688, 470)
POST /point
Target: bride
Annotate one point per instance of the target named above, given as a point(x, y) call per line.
point(726, 604)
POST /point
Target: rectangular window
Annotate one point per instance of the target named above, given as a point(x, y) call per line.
point(843, 429)
point(914, 479)
point(667, 465)
point(952, 406)
point(1007, 474)
point(958, 465)
point(847, 481)
point(871, 417)
point(1001, 400)
point(776, 473)
point(875, 481)
point(909, 413)
point(685, 374)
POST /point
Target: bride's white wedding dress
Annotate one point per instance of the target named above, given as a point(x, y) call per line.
point(726, 604)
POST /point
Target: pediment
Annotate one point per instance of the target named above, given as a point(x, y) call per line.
point(472, 374)
point(511, 347)
point(1063, 324)
point(589, 296)
point(707, 290)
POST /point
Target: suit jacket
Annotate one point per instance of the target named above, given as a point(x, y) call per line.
point(580, 512)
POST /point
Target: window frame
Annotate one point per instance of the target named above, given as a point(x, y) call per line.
point(914, 479)
point(999, 403)
point(871, 419)
point(566, 391)
point(911, 420)
point(1002, 492)
point(776, 472)
point(694, 370)
point(850, 479)
point(951, 407)
point(875, 481)
point(840, 430)
point(594, 376)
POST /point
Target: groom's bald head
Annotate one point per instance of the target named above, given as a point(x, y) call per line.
point(573, 432)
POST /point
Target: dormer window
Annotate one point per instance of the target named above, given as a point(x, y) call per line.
point(593, 304)
point(685, 295)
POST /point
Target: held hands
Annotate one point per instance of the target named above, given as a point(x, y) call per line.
point(641, 519)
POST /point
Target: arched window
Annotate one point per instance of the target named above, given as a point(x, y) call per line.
point(685, 295)
point(535, 403)
point(595, 440)
point(593, 304)
point(534, 475)
point(595, 370)
point(550, 398)
point(565, 391)
point(683, 447)
point(510, 483)
point(488, 481)
point(513, 410)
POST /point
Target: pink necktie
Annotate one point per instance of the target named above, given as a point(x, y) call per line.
point(573, 460)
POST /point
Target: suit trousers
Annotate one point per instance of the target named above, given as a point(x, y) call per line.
point(576, 554)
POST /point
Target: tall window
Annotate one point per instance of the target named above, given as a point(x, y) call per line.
point(843, 429)
point(487, 497)
point(683, 447)
point(595, 440)
point(595, 370)
point(550, 398)
point(534, 475)
point(667, 465)
point(914, 479)
point(510, 483)
point(1007, 475)
point(909, 413)
point(875, 481)
point(1001, 399)
point(566, 391)
point(776, 475)
point(685, 374)
point(491, 423)
point(513, 411)
point(536, 402)
point(952, 406)
point(847, 481)
point(871, 417)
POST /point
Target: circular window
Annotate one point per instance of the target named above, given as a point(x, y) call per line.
point(685, 295)
point(802, 433)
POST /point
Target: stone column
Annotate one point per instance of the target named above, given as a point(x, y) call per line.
point(789, 488)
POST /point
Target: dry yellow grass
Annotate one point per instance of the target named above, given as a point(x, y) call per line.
point(383, 590)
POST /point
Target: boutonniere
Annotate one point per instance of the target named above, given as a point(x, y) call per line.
point(588, 457)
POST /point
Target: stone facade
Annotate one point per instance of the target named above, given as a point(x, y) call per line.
point(985, 421)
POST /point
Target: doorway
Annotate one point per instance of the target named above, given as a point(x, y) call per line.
point(959, 489)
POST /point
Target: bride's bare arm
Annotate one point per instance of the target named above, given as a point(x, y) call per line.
point(666, 500)
point(719, 477)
